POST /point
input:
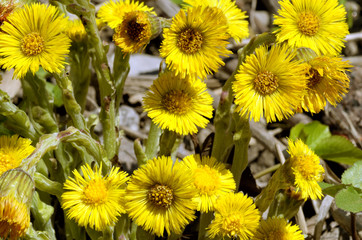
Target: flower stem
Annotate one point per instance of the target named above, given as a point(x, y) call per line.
point(205, 219)
point(266, 171)
point(241, 140)
point(168, 139)
point(120, 72)
point(71, 105)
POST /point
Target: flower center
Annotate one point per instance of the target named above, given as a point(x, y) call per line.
point(308, 23)
point(266, 83)
point(6, 162)
point(96, 192)
point(233, 224)
point(176, 102)
point(314, 78)
point(32, 44)
point(161, 196)
point(207, 180)
point(306, 167)
point(136, 27)
point(190, 41)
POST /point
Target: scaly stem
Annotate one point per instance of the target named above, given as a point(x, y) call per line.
point(153, 141)
point(71, 105)
point(205, 219)
point(241, 140)
point(120, 72)
point(168, 139)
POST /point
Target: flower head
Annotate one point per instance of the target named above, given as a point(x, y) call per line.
point(319, 25)
point(76, 31)
point(32, 37)
point(159, 196)
point(235, 217)
point(277, 229)
point(307, 171)
point(134, 32)
point(269, 84)
point(113, 12)
point(94, 200)
point(178, 104)
point(195, 41)
point(16, 192)
point(235, 18)
point(12, 151)
point(326, 81)
point(211, 179)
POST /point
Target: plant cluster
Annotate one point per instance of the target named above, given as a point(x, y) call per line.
point(56, 172)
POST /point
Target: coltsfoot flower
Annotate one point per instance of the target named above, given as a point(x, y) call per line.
point(327, 81)
point(305, 169)
point(318, 25)
point(269, 84)
point(211, 179)
point(277, 229)
point(135, 31)
point(235, 217)
point(33, 37)
point(195, 42)
point(235, 18)
point(12, 151)
point(178, 104)
point(159, 196)
point(93, 200)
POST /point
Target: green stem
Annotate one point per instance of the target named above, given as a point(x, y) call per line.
point(120, 72)
point(153, 141)
point(140, 154)
point(108, 233)
point(167, 142)
point(266, 171)
point(71, 105)
point(205, 219)
point(241, 140)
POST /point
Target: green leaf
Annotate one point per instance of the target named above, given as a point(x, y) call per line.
point(349, 199)
point(315, 132)
point(178, 2)
point(338, 149)
point(353, 175)
point(333, 190)
point(296, 131)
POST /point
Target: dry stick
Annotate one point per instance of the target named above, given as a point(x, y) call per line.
point(301, 221)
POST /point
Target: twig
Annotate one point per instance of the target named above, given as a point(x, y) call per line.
point(301, 221)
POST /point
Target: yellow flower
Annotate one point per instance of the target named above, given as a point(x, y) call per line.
point(159, 196)
point(307, 171)
point(178, 104)
point(277, 229)
point(113, 12)
point(235, 18)
point(211, 179)
point(134, 32)
point(319, 25)
point(12, 151)
point(94, 200)
point(269, 84)
point(76, 31)
point(33, 37)
point(327, 81)
point(235, 217)
point(195, 41)
point(16, 192)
